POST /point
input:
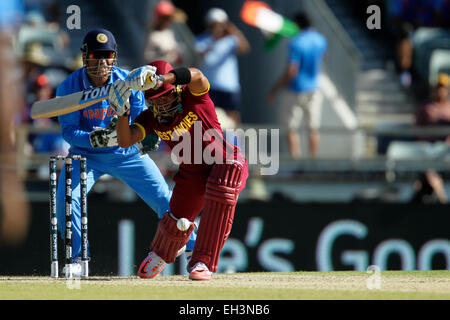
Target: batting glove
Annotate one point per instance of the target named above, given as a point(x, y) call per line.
point(102, 138)
point(143, 78)
point(150, 143)
point(119, 96)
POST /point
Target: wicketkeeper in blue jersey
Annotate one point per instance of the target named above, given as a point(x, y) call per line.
point(91, 133)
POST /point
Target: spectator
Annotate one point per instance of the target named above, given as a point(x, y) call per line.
point(218, 48)
point(302, 96)
point(429, 189)
point(51, 141)
point(162, 43)
point(437, 110)
point(53, 22)
point(37, 30)
point(34, 61)
point(406, 17)
point(402, 18)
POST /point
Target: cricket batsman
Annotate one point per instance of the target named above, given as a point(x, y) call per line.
point(92, 134)
point(182, 114)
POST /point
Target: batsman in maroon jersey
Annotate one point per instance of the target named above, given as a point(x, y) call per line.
point(211, 175)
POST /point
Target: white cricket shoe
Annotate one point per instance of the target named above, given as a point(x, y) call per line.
point(200, 272)
point(151, 266)
point(75, 268)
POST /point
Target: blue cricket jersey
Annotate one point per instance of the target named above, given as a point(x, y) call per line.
point(77, 125)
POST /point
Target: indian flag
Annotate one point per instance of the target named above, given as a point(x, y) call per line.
point(260, 15)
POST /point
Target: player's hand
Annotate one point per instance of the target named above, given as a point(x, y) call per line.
point(143, 78)
point(119, 97)
point(102, 138)
point(150, 143)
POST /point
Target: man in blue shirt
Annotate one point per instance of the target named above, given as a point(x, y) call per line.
point(300, 81)
point(218, 48)
point(90, 134)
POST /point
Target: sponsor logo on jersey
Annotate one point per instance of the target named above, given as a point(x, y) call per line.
point(95, 93)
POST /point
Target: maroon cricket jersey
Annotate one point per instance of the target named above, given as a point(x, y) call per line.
point(195, 130)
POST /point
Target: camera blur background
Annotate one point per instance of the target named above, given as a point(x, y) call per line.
point(374, 192)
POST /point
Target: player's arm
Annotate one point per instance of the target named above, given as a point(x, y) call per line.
point(128, 135)
point(195, 80)
point(145, 78)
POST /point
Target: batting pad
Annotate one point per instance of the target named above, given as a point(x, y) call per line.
point(222, 190)
point(168, 239)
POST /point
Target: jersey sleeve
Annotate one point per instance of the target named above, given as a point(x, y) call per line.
point(197, 99)
point(70, 124)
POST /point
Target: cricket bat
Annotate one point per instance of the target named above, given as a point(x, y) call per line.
point(72, 102)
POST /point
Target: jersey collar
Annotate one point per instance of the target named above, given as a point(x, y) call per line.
point(87, 84)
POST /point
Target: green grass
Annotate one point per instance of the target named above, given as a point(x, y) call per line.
point(398, 285)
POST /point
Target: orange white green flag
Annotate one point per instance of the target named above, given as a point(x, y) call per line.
point(273, 25)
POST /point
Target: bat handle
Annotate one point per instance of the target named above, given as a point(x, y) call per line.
point(159, 80)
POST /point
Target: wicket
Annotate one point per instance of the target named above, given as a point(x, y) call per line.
point(68, 161)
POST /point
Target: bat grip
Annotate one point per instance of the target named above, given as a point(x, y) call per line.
point(148, 79)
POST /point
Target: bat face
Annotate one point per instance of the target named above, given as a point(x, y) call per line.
point(70, 103)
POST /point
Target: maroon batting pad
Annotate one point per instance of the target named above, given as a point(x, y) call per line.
point(168, 239)
point(222, 190)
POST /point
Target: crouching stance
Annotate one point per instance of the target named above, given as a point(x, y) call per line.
point(211, 174)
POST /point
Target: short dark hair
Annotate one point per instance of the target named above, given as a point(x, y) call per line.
point(302, 20)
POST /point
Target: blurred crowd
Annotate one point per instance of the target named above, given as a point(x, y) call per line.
point(43, 50)
point(419, 33)
point(418, 29)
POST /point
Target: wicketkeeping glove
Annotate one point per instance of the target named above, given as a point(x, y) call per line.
point(143, 78)
point(150, 143)
point(104, 137)
point(119, 96)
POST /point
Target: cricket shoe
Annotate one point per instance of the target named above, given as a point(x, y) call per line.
point(200, 272)
point(155, 263)
point(151, 266)
point(75, 268)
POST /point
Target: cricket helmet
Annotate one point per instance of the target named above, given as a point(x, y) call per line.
point(99, 45)
point(170, 108)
